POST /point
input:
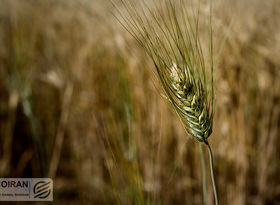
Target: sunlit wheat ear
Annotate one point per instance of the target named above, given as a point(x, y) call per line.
point(190, 103)
point(168, 31)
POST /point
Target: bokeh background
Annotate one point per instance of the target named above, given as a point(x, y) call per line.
point(79, 103)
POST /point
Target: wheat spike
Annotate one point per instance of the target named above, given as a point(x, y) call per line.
point(172, 40)
point(191, 104)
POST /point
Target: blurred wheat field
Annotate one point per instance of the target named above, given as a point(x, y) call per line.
point(79, 103)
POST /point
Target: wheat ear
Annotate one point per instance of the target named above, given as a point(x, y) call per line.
point(169, 33)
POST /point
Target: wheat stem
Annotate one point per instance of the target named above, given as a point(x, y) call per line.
point(203, 167)
point(212, 172)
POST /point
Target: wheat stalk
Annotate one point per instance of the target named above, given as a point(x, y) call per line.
point(169, 33)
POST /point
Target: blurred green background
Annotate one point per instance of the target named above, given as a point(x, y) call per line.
point(79, 103)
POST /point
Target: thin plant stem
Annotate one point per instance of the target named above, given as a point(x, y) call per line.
point(66, 101)
point(203, 167)
point(36, 138)
point(212, 172)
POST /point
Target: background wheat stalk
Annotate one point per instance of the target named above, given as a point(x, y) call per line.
point(169, 32)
